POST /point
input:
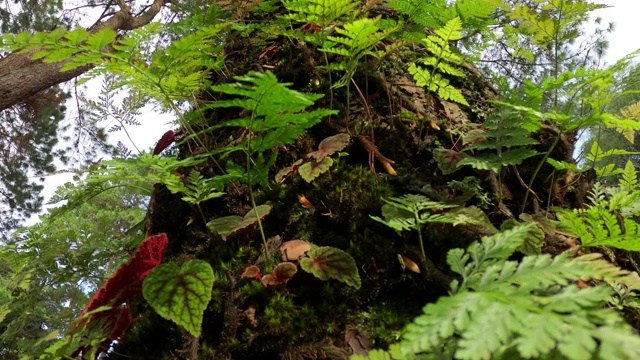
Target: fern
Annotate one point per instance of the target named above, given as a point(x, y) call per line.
point(319, 12)
point(426, 13)
point(508, 133)
point(596, 155)
point(443, 61)
point(409, 212)
point(174, 73)
point(629, 180)
point(526, 309)
point(609, 221)
point(630, 122)
point(358, 39)
point(277, 118)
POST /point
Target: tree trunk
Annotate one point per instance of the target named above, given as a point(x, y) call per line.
point(21, 77)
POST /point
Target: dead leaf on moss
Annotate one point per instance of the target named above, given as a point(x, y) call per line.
point(304, 202)
point(408, 264)
point(250, 313)
point(359, 345)
point(252, 272)
point(293, 250)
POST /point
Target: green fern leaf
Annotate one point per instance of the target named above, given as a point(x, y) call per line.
point(530, 307)
point(629, 180)
point(318, 12)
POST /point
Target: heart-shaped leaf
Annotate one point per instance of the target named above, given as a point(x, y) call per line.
point(230, 225)
point(330, 146)
point(180, 294)
point(312, 170)
point(447, 160)
point(282, 273)
point(284, 173)
point(252, 272)
point(327, 262)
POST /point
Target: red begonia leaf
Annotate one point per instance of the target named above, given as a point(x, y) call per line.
point(252, 272)
point(330, 146)
point(448, 160)
point(311, 170)
point(330, 263)
point(284, 271)
point(126, 281)
point(284, 173)
point(121, 287)
point(167, 139)
point(269, 280)
point(180, 294)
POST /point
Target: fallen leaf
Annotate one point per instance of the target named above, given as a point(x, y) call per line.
point(252, 272)
point(304, 202)
point(408, 264)
point(293, 250)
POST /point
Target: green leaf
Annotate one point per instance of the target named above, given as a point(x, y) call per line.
point(311, 170)
point(327, 262)
point(180, 294)
point(532, 244)
point(230, 225)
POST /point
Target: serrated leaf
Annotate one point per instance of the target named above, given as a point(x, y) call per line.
point(447, 160)
point(532, 244)
point(252, 272)
point(180, 294)
point(330, 146)
point(327, 262)
point(284, 173)
point(228, 226)
point(311, 170)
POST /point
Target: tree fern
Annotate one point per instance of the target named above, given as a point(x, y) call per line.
point(526, 309)
point(443, 61)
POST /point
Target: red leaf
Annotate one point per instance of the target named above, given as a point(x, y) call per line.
point(167, 139)
point(125, 282)
point(330, 146)
point(284, 271)
point(252, 272)
point(121, 287)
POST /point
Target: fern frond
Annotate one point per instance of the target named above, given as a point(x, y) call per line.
point(318, 12)
point(426, 13)
point(529, 308)
point(358, 39)
point(442, 61)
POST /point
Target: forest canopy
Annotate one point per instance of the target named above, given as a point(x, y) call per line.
point(381, 179)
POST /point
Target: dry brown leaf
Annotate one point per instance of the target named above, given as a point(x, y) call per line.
point(409, 264)
point(293, 250)
point(304, 202)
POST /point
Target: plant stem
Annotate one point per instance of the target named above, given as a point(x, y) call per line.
point(535, 173)
point(419, 228)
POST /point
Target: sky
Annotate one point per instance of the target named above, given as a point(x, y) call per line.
point(624, 40)
point(626, 37)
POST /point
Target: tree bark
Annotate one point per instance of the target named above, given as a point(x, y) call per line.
point(21, 77)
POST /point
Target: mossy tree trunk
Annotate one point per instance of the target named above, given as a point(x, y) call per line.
point(387, 117)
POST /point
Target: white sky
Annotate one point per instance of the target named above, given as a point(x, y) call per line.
point(625, 39)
